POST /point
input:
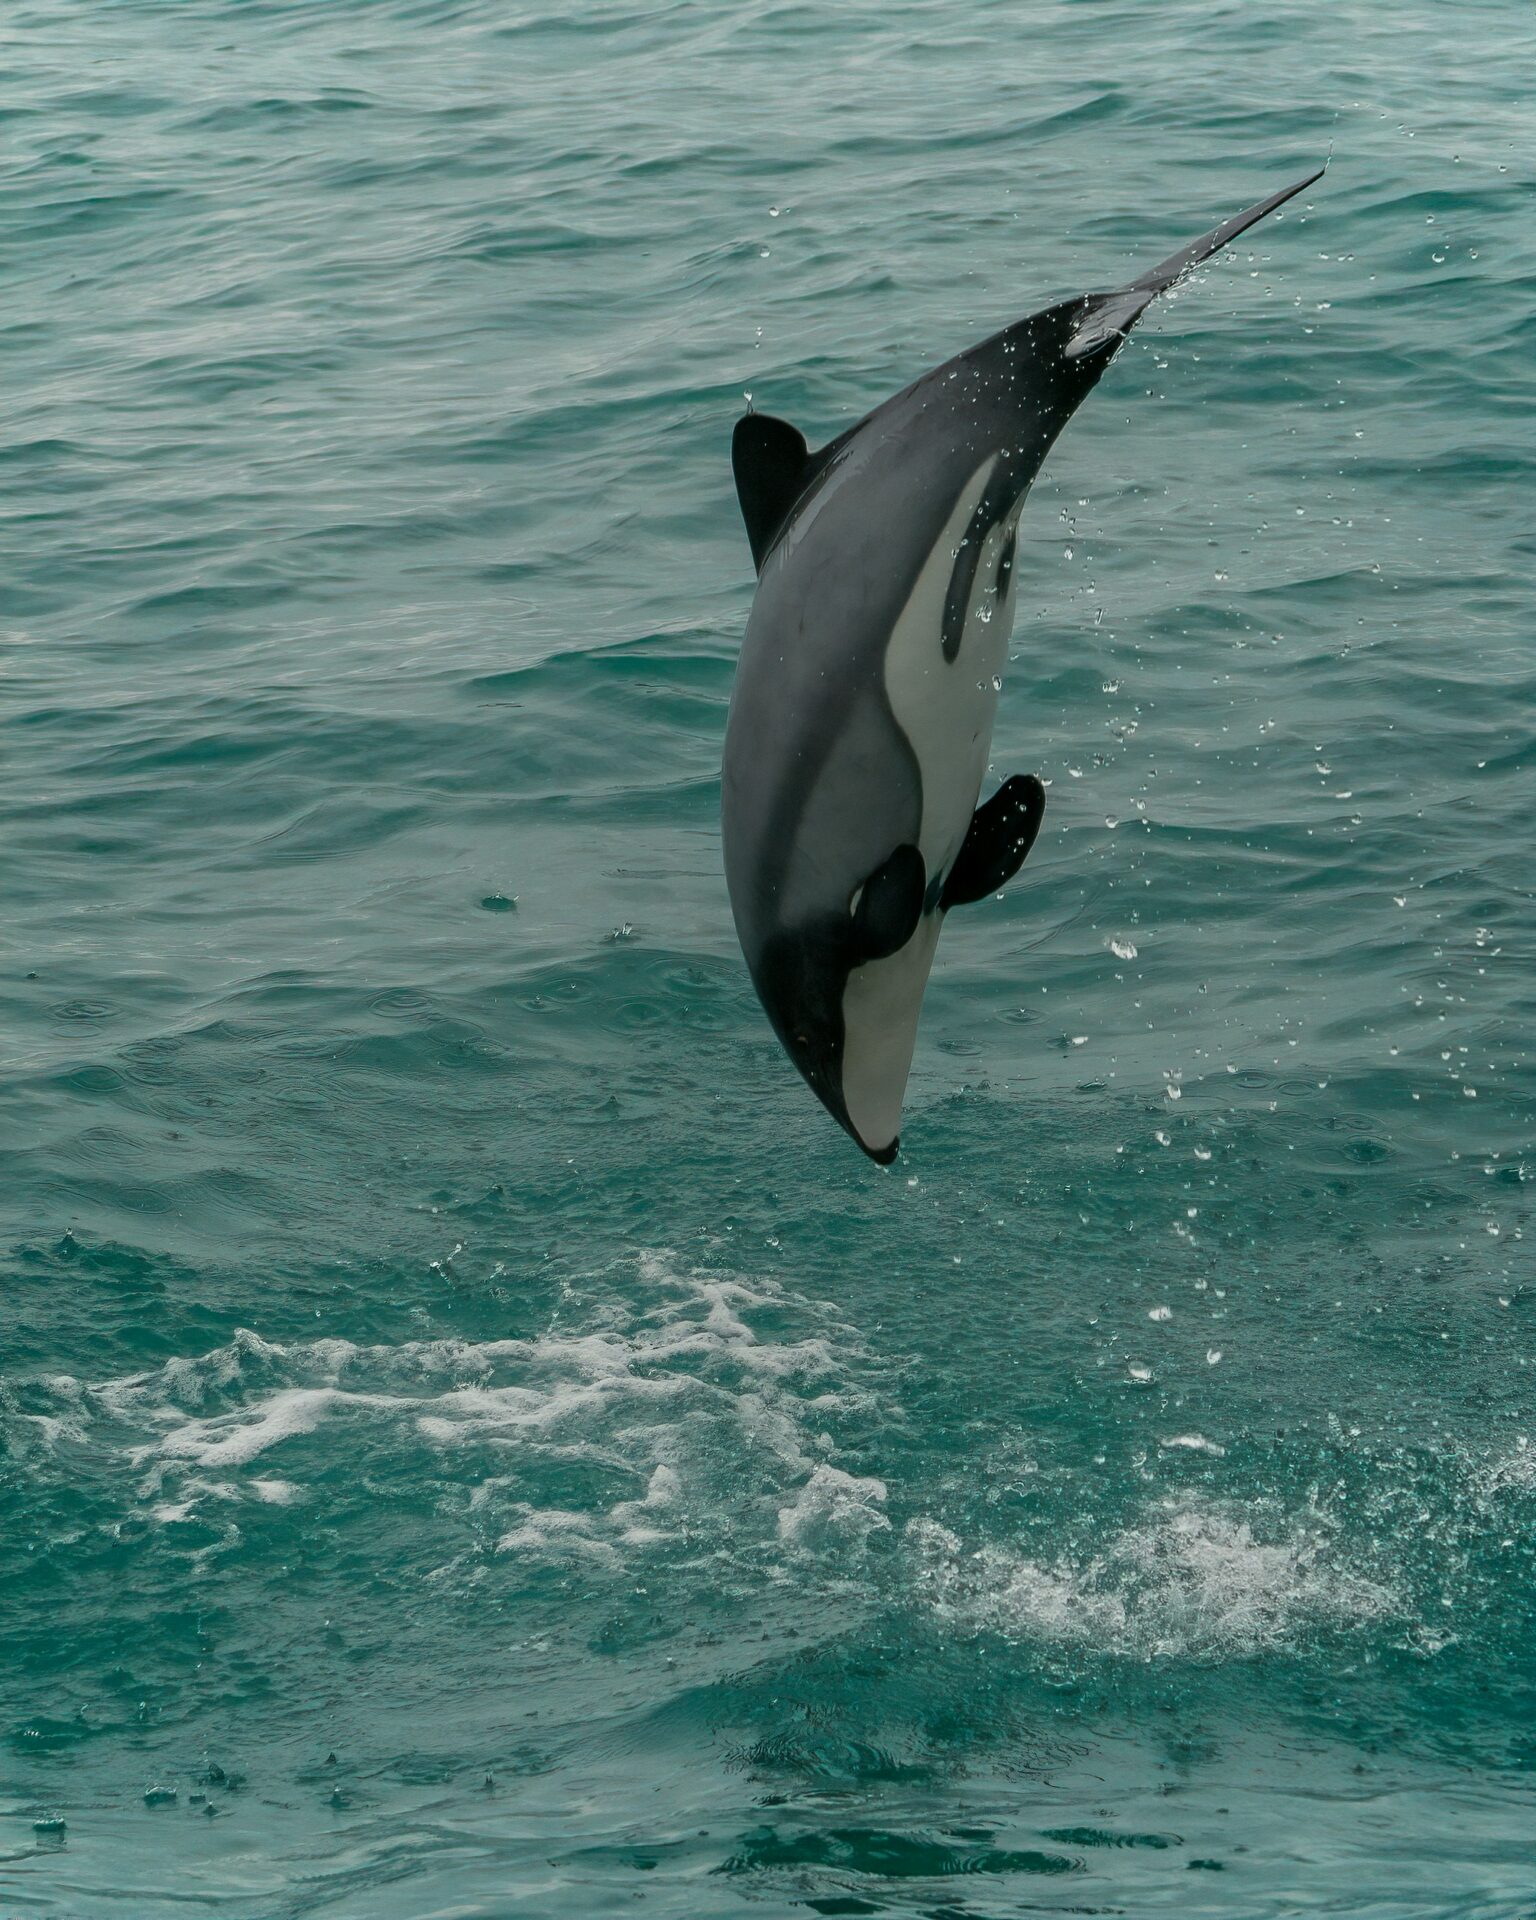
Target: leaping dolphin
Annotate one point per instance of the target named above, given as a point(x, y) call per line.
point(861, 720)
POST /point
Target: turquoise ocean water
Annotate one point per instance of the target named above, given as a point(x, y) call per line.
point(475, 1439)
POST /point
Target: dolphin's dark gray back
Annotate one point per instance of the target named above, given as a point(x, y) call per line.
point(839, 571)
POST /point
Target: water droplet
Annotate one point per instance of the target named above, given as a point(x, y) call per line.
point(1159, 1313)
point(1213, 1356)
point(1122, 949)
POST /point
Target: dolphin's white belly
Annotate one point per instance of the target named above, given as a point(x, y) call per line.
point(946, 708)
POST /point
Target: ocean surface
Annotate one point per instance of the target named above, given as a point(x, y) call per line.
point(475, 1439)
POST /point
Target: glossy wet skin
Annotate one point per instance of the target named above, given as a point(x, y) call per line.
point(909, 530)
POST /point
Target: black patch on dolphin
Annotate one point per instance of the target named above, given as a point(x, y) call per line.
point(1005, 561)
point(994, 506)
point(889, 905)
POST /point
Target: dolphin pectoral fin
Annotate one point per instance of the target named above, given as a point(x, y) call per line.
point(773, 466)
point(1110, 316)
point(888, 906)
point(997, 842)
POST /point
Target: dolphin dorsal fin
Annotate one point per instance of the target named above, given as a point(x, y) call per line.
point(773, 467)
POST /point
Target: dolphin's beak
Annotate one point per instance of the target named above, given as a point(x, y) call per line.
point(809, 1043)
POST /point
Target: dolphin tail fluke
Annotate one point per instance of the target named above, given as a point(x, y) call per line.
point(1112, 315)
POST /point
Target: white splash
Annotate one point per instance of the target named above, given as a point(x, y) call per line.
point(676, 1401)
point(1192, 1578)
point(833, 1509)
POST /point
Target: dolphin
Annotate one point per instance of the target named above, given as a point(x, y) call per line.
point(861, 718)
